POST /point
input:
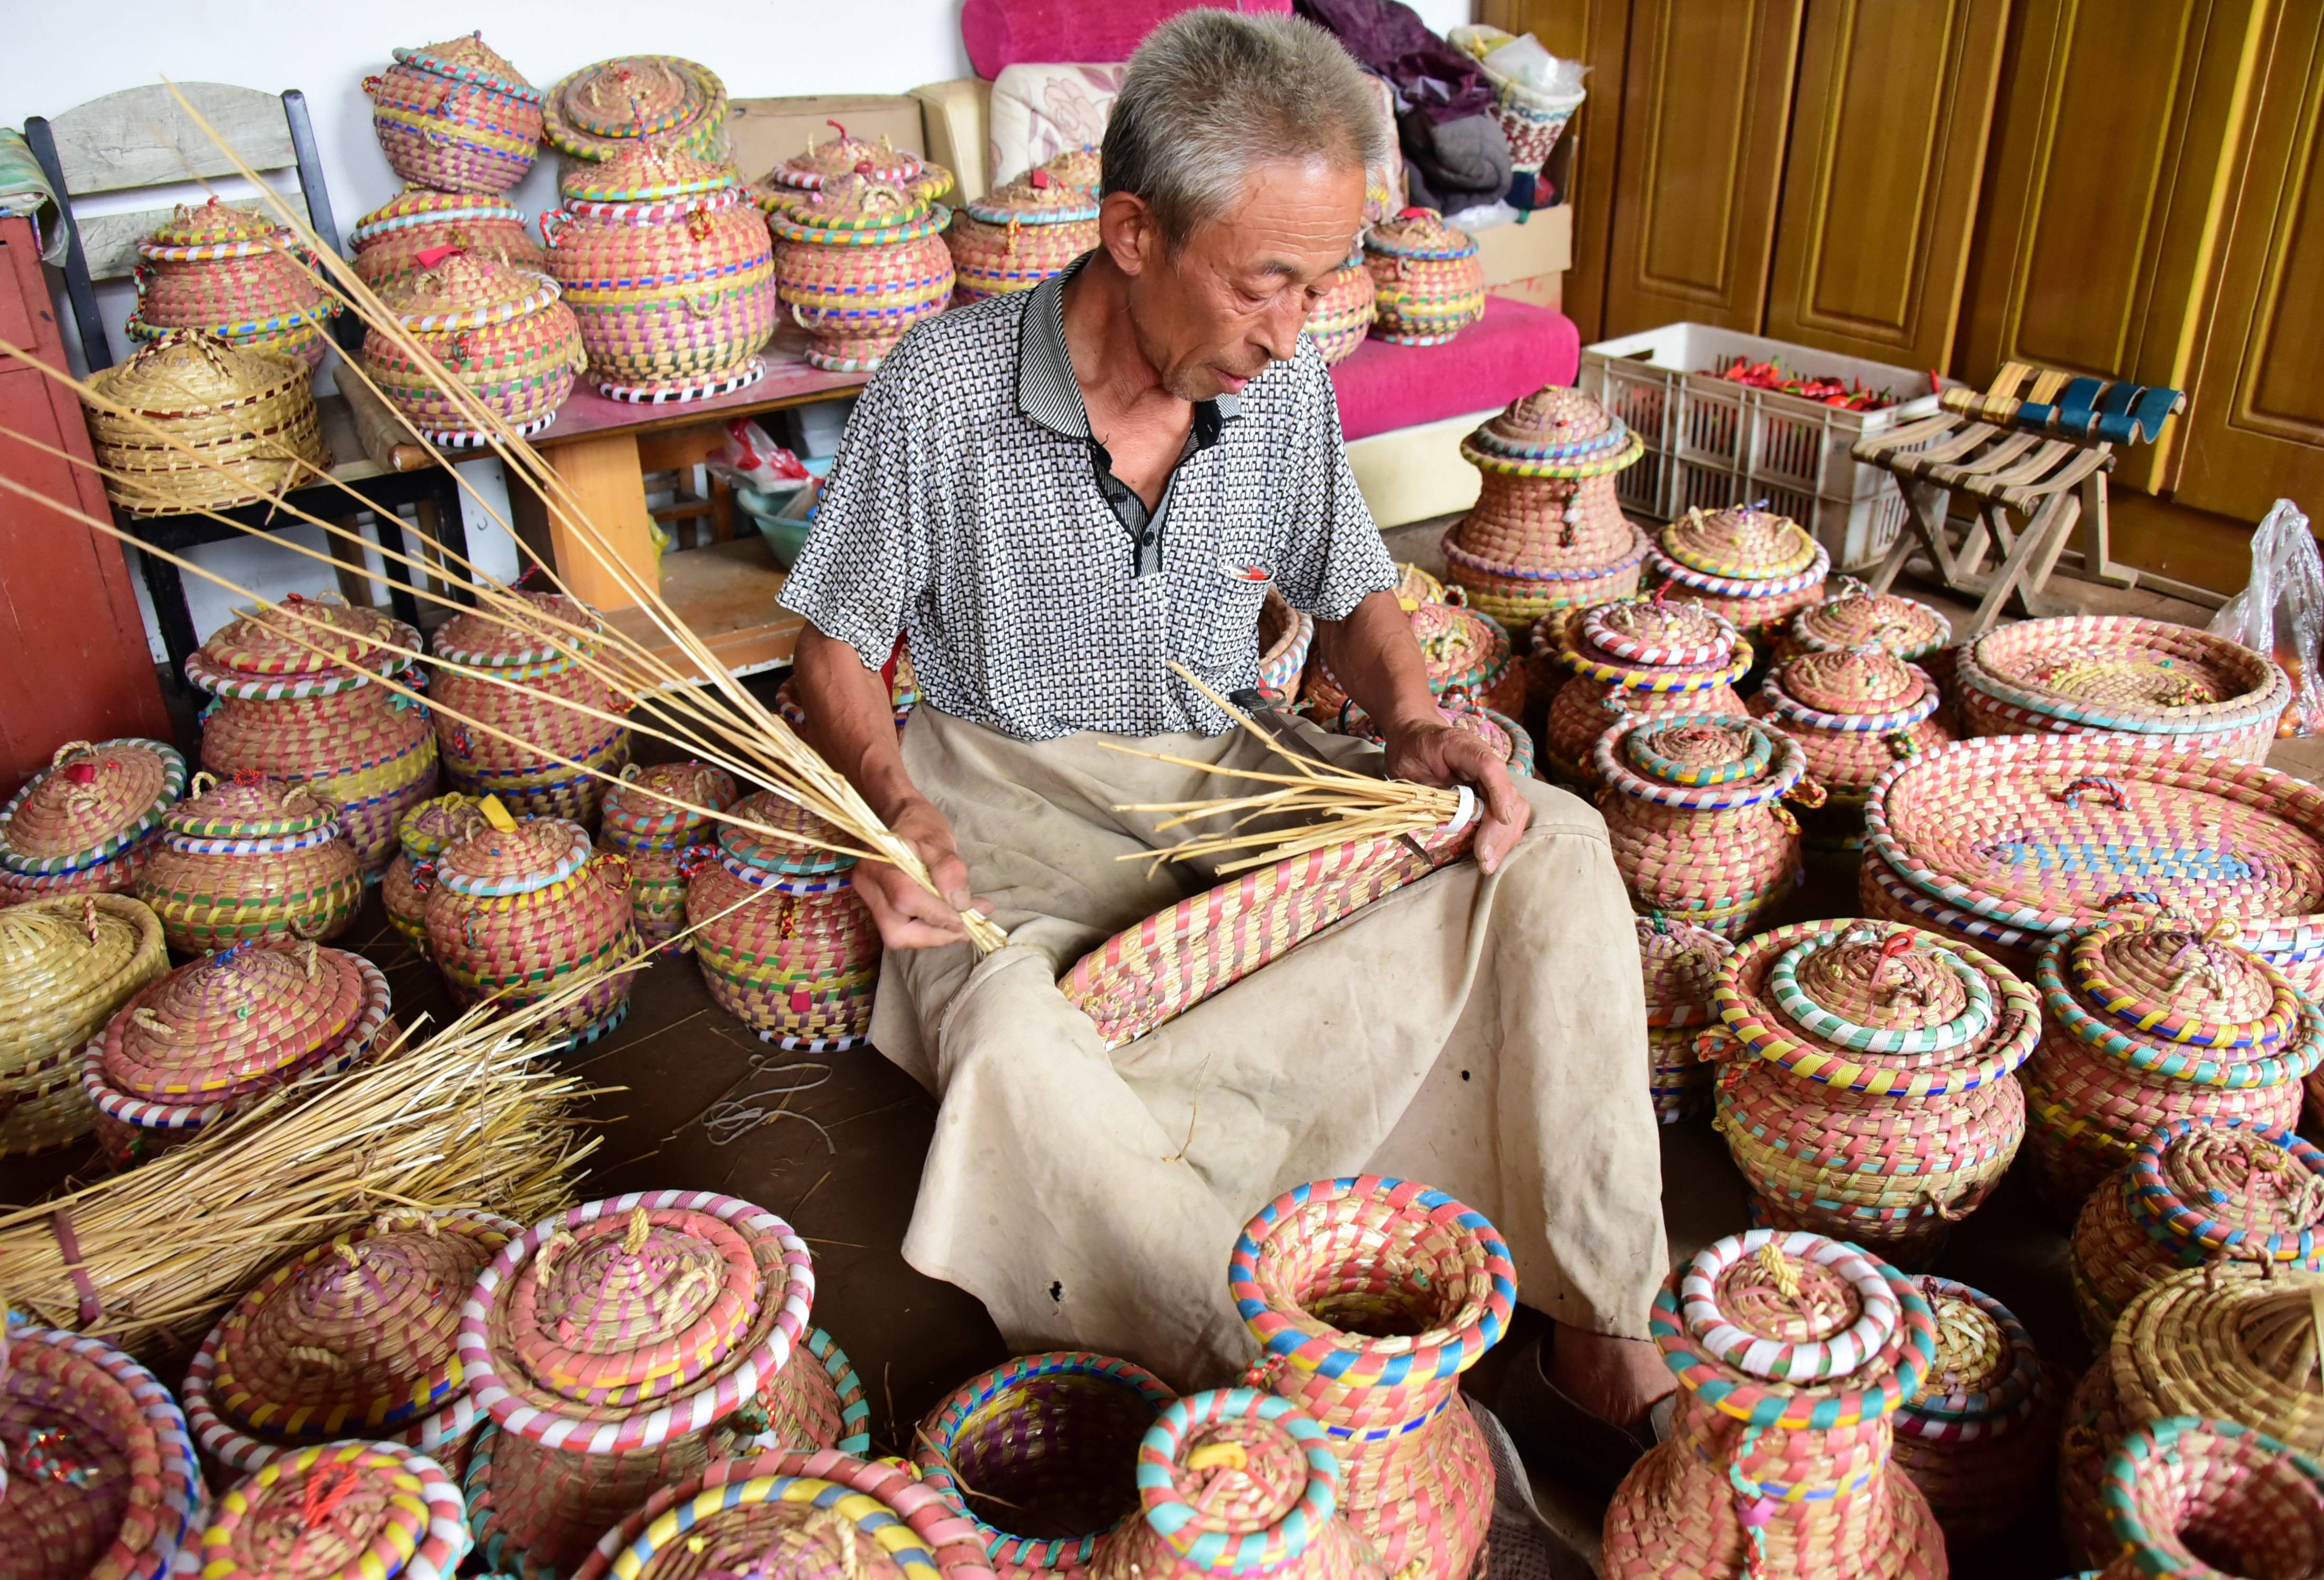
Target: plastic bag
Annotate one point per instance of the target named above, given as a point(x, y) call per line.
point(753, 460)
point(2281, 613)
point(1524, 58)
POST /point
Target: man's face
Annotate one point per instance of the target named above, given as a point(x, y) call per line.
point(1236, 296)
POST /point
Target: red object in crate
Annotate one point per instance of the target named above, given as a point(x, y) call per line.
point(1853, 396)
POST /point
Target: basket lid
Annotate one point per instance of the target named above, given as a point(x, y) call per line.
point(338, 1511)
point(468, 59)
point(84, 939)
point(251, 806)
point(214, 229)
point(2226, 1341)
point(192, 372)
point(2189, 997)
point(423, 205)
point(2231, 1188)
point(1903, 626)
point(856, 206)
point(635, 809)
point(1554, 432)
point(1652, 632)
point(526, 854)
point(1699, 762)
point(233, 1022)
point(1237, 1481)
point(629, 98)
point(1856, 689)
point(1419, 232)
point(647, 172)
point(1743, 541)
point(323, 638)
point(1681, 963)
point(1986, 1372)
point(769, 854)
point(1462, 648)
point(426, 830)
point(1082, 170)
point(841, 154)
point(1035, 198)
point(91, 802)
point(497, 640)
point(456, 289)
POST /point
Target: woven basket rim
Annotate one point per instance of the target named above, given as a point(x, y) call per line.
point(174, 1491)
point(1685, 576)
point(1195, 1535)
point(1804, 630)
point(1982, 668)
point(559, 129)
point(425, 58)
point(2173, 1441)
point(1925, 699)
point(2155, 1204)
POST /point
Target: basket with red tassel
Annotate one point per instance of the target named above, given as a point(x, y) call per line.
point(500, 330)
point(87, 823)
point(803, 174)
point(251, 858)
point(655, 834)
point(1019, 235)
point(235, 275)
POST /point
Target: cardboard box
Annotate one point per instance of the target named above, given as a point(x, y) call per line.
point(764, 132)
point(1541, 245)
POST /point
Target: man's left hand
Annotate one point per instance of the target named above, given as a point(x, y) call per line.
point(1434, 752)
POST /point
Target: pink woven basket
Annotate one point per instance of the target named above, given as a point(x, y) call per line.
point(1630, 656)
point(1019, 234)
point(535, 685)
point(655, 835)
point(1431, 282)
point(87, 822)
point(234, 273)
point(1465, 651)
point(338, 1512)
point(251, 858)
point(388, 241)
point(455, 117)
point(2188, 1499)
point(1756, 568)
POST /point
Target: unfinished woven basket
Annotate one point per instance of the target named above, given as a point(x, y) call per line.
point(1431, 284)
point(1793, 1355)
point(496, 329)
point(858, 262)
point(1747, 563)
point(66, 966)
point(1019, 234)
point(423, 834)
point(338, 1512)
point(1632, 656)
point(1465, 651)
point(455, 117)
point(1369, 1297)
point(544, 771)
point(1680, 964)
point(1980, 1435)
point(2191, 1499)
point(1342, 317)
point(605, 110)
point(251, 858)
point(655, 835)
point(389, 240)
point(83, 823)
point(234, 273)
point(242, 409)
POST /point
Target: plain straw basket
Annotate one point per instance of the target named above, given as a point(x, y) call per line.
point(234, 273)
point(1465, 651)
point(1431, 284)
point(541, 711)
point(246, 410)
point(1680, 962)
point(1867, 1088)
point(1793, 1354)
point(1045, 1443)
point(102, 1482)
point(1980, 1437)
point(2149, 1020)
point(1854, 711)
point(499, 330)
point(669, 269)
point(2189, 1499)
point(799, 964)
point(1745, 562)
point(423, 834)
point(1531, 119)
point(455, 117)
point(1694, 807)
point(1285, 637)
point(655, 835)
point(810, 172)
point(1369, 1297)
point(858, 262)
point(388, 241)
point(606, 109)
point(251, 858)
point(66, 966)
point(1628, 657)
point(2090, 674)
point(350, 1511)
point(1341, 318)
point(1019, 234)
point(85, 822)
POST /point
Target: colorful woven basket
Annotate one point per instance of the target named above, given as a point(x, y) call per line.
point(1083, 169)
point(1431, 282)
point(495, 328)
point(1019, 234)
point(1465, 651)
point(455, 117)
point(66, 966)
point(858, 262)
point(1369, 1297)
point(1341, 318)
point(2095, 674)
point(251, 858)
point(1793, 1355)
point(1285, 637)
point(1680, 964)
point(240, 409)
point(1745, 562)
point(1855, 616)
point(1632, 656)
point(2191, 1500)
point(1531, 119)
point(605, 110)
point(102, 1482)
point(423, 834)
point(337, 1511)
point(785, 945)
point(1041, 1455)
point(234, 273)
point(1509, 739)
point(669, 269)
point(1854, 712)
point(803, 174)
point(654, 834)
point(388, 241)
point(1979, 1436)
point(545, 770)
point(84, 823)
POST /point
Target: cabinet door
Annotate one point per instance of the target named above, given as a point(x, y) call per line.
point(1887, 151)
point(2255, 420)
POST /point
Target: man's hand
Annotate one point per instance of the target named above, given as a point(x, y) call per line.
point(909, 916)
point(1432, 752)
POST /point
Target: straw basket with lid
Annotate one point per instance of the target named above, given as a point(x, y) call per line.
point(1546, 532)
point(1979, 1436)
point(248, 412)
point(101, 1480)
point(86, 823)
point(2191, 1499)
point(2197, 1191)
point(606, 109)
point(1341, 318)
point(798, 965)
point(1369, 1297)
point(1854, 711)
point(655, 835)
point(518, 910)
point(1745, 562)
point(296, 699)
point(355, 1338)
point(499, 329)
point(2149, 1020)
point(1465, 651)
point(1857, 615)
point(1694, 806)
point(858, 262)
point(548, 654)
point(1530, 118)
point(1868, 1089)
point(2117, 673)
point(389, 240)
point(803, 175)
point(455, 117)
point(1083, 169)
point(338, 1512)
point(212, 1038)
point(622, 1345)
point(235, 273)
point(669, 269)
point(1019, 234)
point(251, 858)
point(1681, 963)
point(1633, 656)
point(1793, 1354)
point(66, 966)
point(422, 835)
point(1431, 282)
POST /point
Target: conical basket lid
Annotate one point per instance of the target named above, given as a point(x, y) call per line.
point(1739, 757)
point(777, 855)
point(192, 372)
point(233, 1022)
point(842, 155)
point(1084, 171)
point(1462, 648)
point(2228, 1341)
point(632, 97)
point(339, 1511)
point(1855, 680)
point(91, 802)
point(532, 853)
point(418, 205)
point(426, 830)
point(1743, 542)
point(1986, 1367)
point(250, 806)
point(2168, 982)
point(1419, 232)
point(469, 59)
point(2229, 1187)
point(465, 291)
point(1903, 626)
point(1035, 198)
point(647, 172)
point(856, 206)
point(302, 637)
point(1651, 633)
point(635, 809)
point(69, 939)
point(1556, 431)
point(211, 225)
point(1681, 963)
point(493, 640)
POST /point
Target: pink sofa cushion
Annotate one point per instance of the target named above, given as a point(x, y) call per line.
point(1513, 350)
point(1003, 32)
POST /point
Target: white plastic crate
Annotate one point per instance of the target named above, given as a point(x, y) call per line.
point(1713, 443)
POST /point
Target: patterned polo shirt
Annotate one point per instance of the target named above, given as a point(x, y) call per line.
point(971, 509)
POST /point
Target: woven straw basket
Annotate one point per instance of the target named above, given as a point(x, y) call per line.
point(338, 1512)
point(1083, 169)
point(1531, 119)
point(389, 240)
point(84, 823)
point(1019, 234)
point(235, 275)
point(1465, 651)
point(1632, 656)
point(545, 770)
point(66, 966)
point(455, 117)
point(1751, 565)
point(1369, 1297)
point(1285, 637)
point(858, 262)
point(499, 330)
point(1854, 712)
point(654, 834)
point(1979, 1436)
point(805, 173)
point(251, 858)
point(239, 408)
point(1431, 284)
point(1341, 318)
point(1793, 1355)
point(1855, 616)
point(423, 834)
point(2188, 1500)
point(605, 110)
point(1680, 964)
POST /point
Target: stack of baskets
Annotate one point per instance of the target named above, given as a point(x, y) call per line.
point(1793, 1354)
point(285, 710)
point(1546, 533)
point(608, 109)
point(654, 834)
point(858, 262)
point(536, 676)
point(390, 240)
point(1369, 1297)
point(425, 832)
point(66, 966)
point(1341, 318)
point(252, 858)
point(1631, 656)
point(247, 411)
point(1431, 282)
point(347, 1510)
point(235, 275)
point(1854, 711)
point(496, 329)
point(1869, 1091)
point(2188, 1500)
point(2090, 674)
point(210, 1039)
point(1681, 961)
point(1465, 651)
point(1980, 1435)
point(1694, 806)
point(1747, 563)
point(800, 177)
point(455, 117)
point(799, 964)
point(1019, 235)
point(88, 822)
point(670, 271)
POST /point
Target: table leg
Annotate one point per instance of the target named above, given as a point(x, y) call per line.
point(603, 472)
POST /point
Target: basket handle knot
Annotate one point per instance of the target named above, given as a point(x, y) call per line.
point(693, 858)
point(1808, 792)
point(543, 1258)
point(552, 223)
point(204, 780)
point(2094, 784)
point(1903, 745)
point(89, 916)
point(1778, 1271)
point(373, 84)
point(423, 875)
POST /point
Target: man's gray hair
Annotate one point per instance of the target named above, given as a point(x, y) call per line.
point(1210, 94)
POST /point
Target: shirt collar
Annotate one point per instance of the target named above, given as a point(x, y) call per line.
point(1047, 391)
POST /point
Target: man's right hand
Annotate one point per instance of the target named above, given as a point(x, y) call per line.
point(909, 916)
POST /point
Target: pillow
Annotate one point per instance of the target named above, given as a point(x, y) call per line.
point(1001, 33)
point(1039, 112)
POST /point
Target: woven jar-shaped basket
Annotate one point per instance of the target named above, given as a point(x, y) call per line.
point(1979, 1437)
point(66, 966)
point(1285, 637)
point(1747, 563)
point(246, 411)
point(1341, 318)
point(1083, 169)
point(620, 1347)
point(2091, 674)
point(1431, 281)
point(785, 945)
point(497, 328)
point(1694, 806)
point(351, 1511)
point(1546, 532)
point(1369, 1297)
point(1856, 616)
point(455, 117)
point(520, 909)
point(1236, 1482)
point(557, 710)
point(1019, 234)
point(1869, 1091)
point(1854, 712)
point(669, 269)
point(86, 823)
point(655, 833)
point(2191, 1500)
point(2197, 1191)
point(1681, 963)
point(858, 262)
point(425, 832)
point(389, 240)
point(605, 110)
point(1465, 651)
point(252, 858)
point(234, 273)
point(1041, 1455)
point(1626, 657)
point(102, 1483)
point(803, 175)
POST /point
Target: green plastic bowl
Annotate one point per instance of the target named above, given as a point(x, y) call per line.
point(782, 518)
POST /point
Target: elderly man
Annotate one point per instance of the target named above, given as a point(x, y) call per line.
point(1056, 495)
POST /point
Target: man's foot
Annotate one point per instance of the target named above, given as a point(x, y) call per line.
point(1582, 1406)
